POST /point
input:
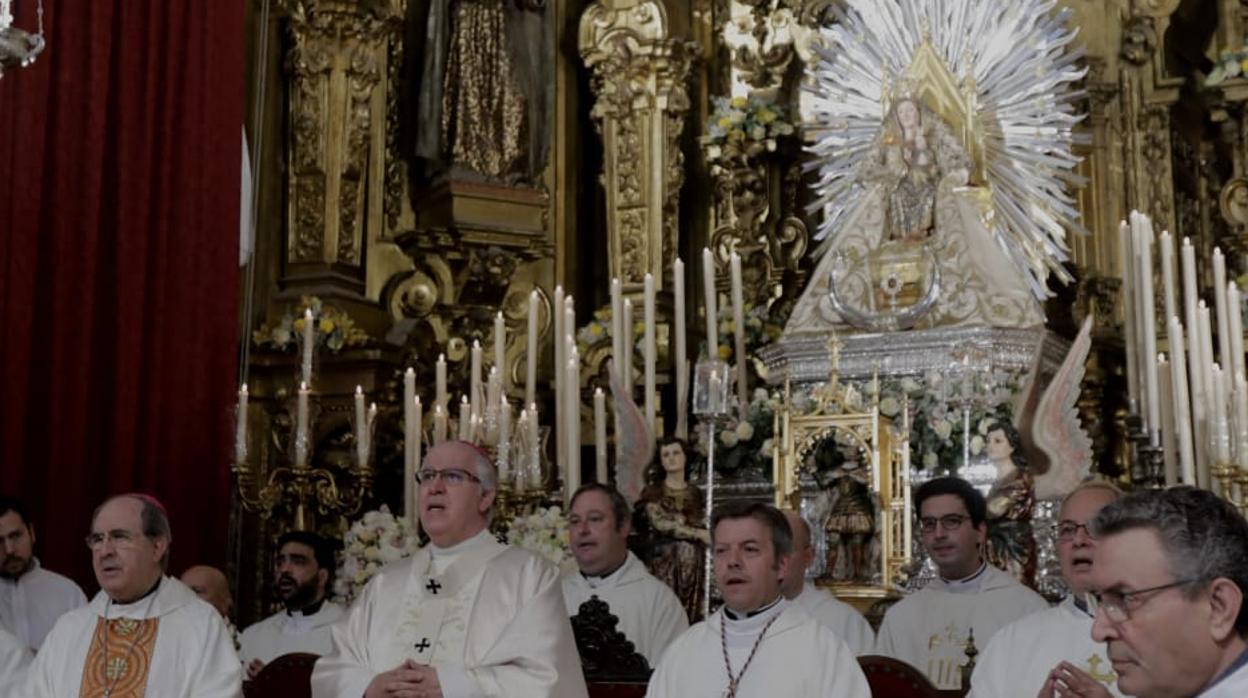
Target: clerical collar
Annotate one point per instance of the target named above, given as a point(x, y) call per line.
point(140, 598)
point(1081, 602)
point(1235, 666)
point(966, 585)
point(734, 616)
point(309, 610)
point(598, 579)
point(461, 546)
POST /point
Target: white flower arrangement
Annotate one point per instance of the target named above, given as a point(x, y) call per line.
point(376, 540)
point(543, 532)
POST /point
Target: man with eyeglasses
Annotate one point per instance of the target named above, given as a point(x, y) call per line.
point(32, 598)
point(649, 614)
point(144, 633)
point(1051, 653)
point(1168, 582)
point(464, 616)
point(968, 601)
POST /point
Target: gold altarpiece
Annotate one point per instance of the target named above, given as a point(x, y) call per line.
point(347, 212)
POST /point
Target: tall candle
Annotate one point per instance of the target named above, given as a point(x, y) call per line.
point(1170, 466)
point(1221, 432)
point(1219, 305)
point(439, 424)
point(411, 426)
point(1149, 306)
point(411, 493)
point(530, 367)
point(493, 390)
point(572, 431)
point(1236, 322)
point(361, 429)
point(1191, 297)
point(500, 348)
point(680, 367)
point(476, 389)
point(600, 436)
point(301, 427)
point(712, 319)
point(465, 419)
point(440, 377)
point(648, 343)
point(240, 427)
point(617, 322)
point(1206, 431)
point(309, 342)
point(504, 439)
point(560, 372)
point(1167, 273)
point(1241, 420)
point(1182, 404)
point(626, 370)
point(522, 450)
point(738, 322)
point(1126, 260)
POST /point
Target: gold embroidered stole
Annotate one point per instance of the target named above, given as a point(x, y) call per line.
point(120, 669)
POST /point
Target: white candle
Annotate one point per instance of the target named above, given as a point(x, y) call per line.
point(439, 424)
point(411, 426)
point(712, 319)
point(309, 342)
point(535, 475)
point(560, 373)
point(500, 348)
point(476, 392)
point(1206, 431)
point(504, 438)
point(1236, 323)
point(1241, 420)
point(572, 431)
point(465, 419)
point(626, 368)
point(440, 396)
point(1169, 459)
point(1221, 432)
point(361, 429)
point(240, 427)
point(680, 366)
point(301, 427)
point(493, 389)
point(530, 368)
point(1167, 273)
point(617, 322)
point(1126, 261)
point(648, 343)
point(1219, 306)
point(600, 435)
point(411, 493)
point(1182, 404)
point(522, 450)
point(1191, 297)
point(738, 321)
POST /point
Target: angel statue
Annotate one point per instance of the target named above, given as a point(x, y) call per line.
point(1011, 543)
point(946, 140)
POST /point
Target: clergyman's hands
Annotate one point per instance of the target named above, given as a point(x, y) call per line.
point(1067, 680)
point(403, 681)
point(254, 668)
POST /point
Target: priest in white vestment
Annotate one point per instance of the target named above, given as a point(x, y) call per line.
point(1168, 584)
point(842, 619)
point(32, 598)
point(302, 572)
point(14, 657)
point(969, 601)
point(1051, 652)
point(650, 615)
point(759, 643)
point(464, 616)
point(144, 633)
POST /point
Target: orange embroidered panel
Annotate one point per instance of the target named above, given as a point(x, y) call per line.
point(119, 670)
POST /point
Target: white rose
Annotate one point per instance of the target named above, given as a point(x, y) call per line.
point(930, 460)
point(767, 446)
point(728, 437)
point(372, 554)
point(760, 394)
point(745, 431)
point(983, 425)
point(944, 429)
point(889, 406)
point(977, 444)
point(910, 385)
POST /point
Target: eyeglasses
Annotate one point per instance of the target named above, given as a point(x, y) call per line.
point(1066, 530)
point(120, 538)
point(949, 522)
point(451, 476)
point(1119, 605)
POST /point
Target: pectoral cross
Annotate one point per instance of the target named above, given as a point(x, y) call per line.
point(433, 586)
point(422, 645)
point(1094, 670)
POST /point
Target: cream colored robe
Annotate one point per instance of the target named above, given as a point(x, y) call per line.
point(284, 633)
point(797, 657)
point(650, 614)
point(842, 619)
point(1021, 655)
point(31, 604)
point(14, 658)
point(193, 658)
point(503, 631)
point(929, 628)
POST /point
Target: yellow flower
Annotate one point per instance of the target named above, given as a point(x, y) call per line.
point(725, 352)
point(595, 331)
point(299, 325)
point(725, 122)
point(765, 116)
point(739, 102)
point(326, 326)
point(1243, 65)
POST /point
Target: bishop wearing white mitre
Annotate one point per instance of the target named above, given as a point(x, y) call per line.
point(144, 633)
point(759, 643)
point(970, 600)
point(464, 616)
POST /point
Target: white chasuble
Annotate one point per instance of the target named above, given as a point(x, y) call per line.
point(286, 632)
point(796, 656)
point(14, 657)
point(650, 615)
point(929, 629)
point(31, 604)
point(842, 619)
point(169, 644)
point(490, 618)
point(1233, 684)
point(1021, 655)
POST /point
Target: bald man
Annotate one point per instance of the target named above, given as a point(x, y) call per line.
point(842, 619)
point(210, 584)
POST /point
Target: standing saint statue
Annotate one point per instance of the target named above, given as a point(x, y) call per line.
point(1011, 542)
point(670, 520)
point(850, 522)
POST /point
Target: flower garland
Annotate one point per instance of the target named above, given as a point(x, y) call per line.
point(335, 329)
point(376, 540)
point(737, 123)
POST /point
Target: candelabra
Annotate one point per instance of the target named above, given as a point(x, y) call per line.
point(18, 48)
point(711, 404)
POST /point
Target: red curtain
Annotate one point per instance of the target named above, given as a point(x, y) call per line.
point(119, 198)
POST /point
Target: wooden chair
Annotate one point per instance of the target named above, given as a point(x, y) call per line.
point(891, 678)
point(617, 690)
point(288, 676)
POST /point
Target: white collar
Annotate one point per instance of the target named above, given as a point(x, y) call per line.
point(744, 632)
point(972, 584)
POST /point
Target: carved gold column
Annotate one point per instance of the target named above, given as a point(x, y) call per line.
point(336, 150)
point(639, 78)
